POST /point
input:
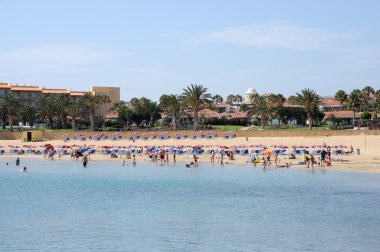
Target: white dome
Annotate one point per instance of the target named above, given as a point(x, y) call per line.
point(251, 91)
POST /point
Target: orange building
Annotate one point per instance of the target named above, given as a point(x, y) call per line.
point(28, 93)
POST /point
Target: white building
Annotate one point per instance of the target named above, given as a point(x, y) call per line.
point(248, 94)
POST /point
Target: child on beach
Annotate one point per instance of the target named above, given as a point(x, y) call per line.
point(195, 158)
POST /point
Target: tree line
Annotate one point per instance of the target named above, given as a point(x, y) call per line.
point(63, 111)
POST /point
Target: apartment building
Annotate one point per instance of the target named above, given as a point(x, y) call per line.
point(28, 93)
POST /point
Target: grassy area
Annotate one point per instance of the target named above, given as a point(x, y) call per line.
point(291, 128)
point(227, 127)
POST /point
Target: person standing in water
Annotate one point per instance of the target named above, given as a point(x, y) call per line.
point(174, 154)
point(85, 160)
point(134, 161)
point(17, 161)
point(212, 156)
point(276, 159)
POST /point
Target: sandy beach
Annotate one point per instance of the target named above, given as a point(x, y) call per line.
point(367, 161)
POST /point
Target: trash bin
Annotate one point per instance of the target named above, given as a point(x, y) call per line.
point(357, 151)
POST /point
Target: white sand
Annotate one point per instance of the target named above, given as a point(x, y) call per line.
point(367, 161)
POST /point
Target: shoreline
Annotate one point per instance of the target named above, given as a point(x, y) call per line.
point(337, 166)
point(367, 161)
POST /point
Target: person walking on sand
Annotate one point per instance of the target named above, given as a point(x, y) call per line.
point(134, 161)
point(212, 156)
point(221, 159)
point(174, 155)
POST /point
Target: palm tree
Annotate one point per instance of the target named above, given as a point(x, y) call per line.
point(238, 98)
point(123, 112)
point(261, 107)
point(12, 104)
point(230, 99)
point(276, 100)
point(63, 101)
point(366, 97)
point(46, 107)
point(354, 102)
point(153, 110)
point(217, 99)
point(377, 100)
point(310, 100)
point(73, 110)
point(91, 100)
point(105, 99)
point(243, 107)
point(341, 97)
point(171, 104)
point(27, 114)
point(3, 113)
point(196, 96)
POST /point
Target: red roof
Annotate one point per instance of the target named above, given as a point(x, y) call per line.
point(112, 115)
point(344, 114)
point(331, 103)
point(25, 88)
point(223, 105)
point(209, 112)
point(76, 93)
point(56, 91)
point(5, 85)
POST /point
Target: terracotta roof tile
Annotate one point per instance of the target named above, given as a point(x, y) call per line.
point(25, 88)
point(209, 112)
point(5, 85)
point(76, 93)
point(55, 91)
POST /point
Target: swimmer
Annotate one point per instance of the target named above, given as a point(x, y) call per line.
point(24, 169)
point(190, 164)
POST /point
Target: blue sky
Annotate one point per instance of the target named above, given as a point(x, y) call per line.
point(149, 48)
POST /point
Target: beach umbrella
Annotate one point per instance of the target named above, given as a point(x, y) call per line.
point(266, 152)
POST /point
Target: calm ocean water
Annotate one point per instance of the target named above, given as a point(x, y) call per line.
point(60, 206)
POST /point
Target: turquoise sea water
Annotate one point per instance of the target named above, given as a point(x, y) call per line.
point(60, 206)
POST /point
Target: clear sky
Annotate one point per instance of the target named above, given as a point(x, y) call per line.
point(149, 48)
